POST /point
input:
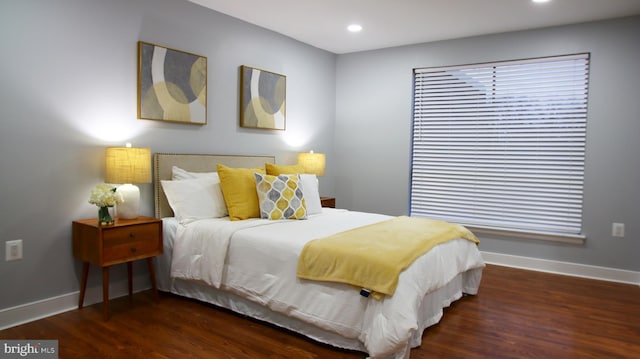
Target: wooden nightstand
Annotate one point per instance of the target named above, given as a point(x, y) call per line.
point(328, 202)
point(126, 241)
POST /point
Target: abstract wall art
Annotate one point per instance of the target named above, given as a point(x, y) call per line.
point(262, 99)
point(172, 85)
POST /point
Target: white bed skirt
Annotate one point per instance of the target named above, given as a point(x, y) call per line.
point(431, 309)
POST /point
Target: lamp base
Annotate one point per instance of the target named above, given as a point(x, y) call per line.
point(130, 206)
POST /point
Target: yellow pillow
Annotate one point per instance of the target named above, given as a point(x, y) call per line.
point(275, 170)
point(239, 191)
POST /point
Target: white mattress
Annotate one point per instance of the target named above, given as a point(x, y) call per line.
point(259, 280)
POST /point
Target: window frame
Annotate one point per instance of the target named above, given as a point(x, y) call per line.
point(537, 124)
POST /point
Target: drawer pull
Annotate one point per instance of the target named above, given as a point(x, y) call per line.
point(133, 249)
point(132, 235)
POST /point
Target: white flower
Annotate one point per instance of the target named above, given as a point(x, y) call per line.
point(105, 195)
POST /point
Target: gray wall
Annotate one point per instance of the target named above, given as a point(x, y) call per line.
point(373, 128)
point(68, 90)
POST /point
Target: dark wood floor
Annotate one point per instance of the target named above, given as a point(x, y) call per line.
point(517, 314)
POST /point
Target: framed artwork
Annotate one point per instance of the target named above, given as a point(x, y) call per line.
point(262, 99)
point(172, 85)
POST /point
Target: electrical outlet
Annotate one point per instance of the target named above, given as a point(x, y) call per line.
point(617, 230)
point(13, 250)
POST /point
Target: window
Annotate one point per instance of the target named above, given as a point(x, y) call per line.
point(501, 146)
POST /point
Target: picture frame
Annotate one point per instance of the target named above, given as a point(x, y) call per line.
point(172, 85)
point(262, 99)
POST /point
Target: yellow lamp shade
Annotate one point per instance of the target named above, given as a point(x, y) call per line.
point(313, 163)
point(127, 165)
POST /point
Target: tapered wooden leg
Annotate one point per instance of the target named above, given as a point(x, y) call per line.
point(129, 265)
point(83, 283)
point(152, 273)
point(105, 293)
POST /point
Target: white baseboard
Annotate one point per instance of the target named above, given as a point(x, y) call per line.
point(565, 268)
point(24, 313)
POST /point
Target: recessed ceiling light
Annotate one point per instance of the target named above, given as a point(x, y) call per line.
point(354, 28)
point(540, 1)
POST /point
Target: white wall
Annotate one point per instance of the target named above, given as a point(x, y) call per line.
point(373, 128)
point(68, 90)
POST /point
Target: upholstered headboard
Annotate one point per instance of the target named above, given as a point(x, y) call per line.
point(164, 162)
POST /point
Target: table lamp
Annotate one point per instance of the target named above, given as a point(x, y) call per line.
point(126, 166)
point(313, 163)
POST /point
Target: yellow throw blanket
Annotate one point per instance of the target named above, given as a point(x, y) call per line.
point(373, 256)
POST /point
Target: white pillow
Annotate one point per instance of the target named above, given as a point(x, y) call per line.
point(310, 193)
point(178, 173)
point(193, 199)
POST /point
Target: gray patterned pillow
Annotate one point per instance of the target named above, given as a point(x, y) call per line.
point(280, 197)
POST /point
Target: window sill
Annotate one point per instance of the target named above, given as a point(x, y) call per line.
point(552, 237)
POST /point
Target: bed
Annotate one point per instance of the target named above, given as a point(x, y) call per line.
point(256, 269)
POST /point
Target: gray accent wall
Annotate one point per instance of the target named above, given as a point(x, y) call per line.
point(373, 131)
point(68, 90)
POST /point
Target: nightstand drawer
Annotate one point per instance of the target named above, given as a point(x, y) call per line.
point(133, 242)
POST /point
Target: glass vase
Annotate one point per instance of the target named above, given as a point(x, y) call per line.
point(104, 217)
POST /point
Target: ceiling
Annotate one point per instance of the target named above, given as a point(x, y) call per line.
point(388, 23)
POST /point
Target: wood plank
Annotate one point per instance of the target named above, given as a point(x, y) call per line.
point(517, 314)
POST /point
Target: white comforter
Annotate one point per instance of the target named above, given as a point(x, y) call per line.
point(257, 260)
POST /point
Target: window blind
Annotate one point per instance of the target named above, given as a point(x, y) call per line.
point(502, 145)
